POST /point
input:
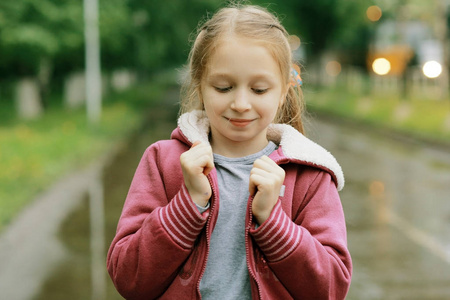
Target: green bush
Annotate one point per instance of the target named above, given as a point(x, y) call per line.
point(34, 154)
point(423, 118)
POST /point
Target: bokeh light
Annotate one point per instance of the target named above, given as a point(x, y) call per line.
point(376, 188)
point(374, 13)
point(333, 68)
point(381, 66)
point(432, 69)
point(294, 42)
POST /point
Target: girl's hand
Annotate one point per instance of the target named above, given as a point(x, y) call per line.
point(266, 179)
point(196, 163)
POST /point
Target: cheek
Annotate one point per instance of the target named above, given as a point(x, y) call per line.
point(213, 107)
point(214, 101)
point(271, 105)
point(206, 98)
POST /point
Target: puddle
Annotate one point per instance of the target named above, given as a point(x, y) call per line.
point(73, 278)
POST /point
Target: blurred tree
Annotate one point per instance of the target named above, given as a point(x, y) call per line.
point(45, 39)
point(33, 33)
point(327, 25)
point(355, 33)
point(116, 31)
point(115, 34)
point(162, 29)
point(48, 34)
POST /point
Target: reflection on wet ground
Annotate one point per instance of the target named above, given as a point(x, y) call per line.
point(395, 200)
point(73, 278)
point(397, 208)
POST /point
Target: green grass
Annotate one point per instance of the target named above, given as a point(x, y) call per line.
point(422, 118)
point(34, 154)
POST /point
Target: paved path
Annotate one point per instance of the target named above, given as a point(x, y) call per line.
point(397, 205)
point(29, 247)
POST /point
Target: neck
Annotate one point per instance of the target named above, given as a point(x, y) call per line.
point(237, 149)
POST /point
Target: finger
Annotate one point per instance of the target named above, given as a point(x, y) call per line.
point(210, 159)
point(261, 180)
point(196, 143)
point(198, 149)
point(252, 187)
point(264, 163)
point(265, 182)
point(201, 148)
point(209, 166)
point(268, 172)
point(270, 167)
point(260, 172)
point(200, 156)
point(194, 163)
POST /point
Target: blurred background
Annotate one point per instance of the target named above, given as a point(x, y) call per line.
point(86, 86)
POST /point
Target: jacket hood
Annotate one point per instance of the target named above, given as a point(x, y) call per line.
point(194, 126)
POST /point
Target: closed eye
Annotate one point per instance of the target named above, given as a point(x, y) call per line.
point(223, 89)
point(259, 91)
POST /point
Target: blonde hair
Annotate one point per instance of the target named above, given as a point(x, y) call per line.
point(252, 22)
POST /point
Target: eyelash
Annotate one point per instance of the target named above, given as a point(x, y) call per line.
point(227, 89)
point(259, 91)
point(223, 90)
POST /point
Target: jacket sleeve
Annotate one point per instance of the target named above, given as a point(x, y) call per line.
point(154, 236)
point(309, 254)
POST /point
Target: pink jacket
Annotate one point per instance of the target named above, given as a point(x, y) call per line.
point(300, 252)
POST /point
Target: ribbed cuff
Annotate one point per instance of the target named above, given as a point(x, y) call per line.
point(278, 236)
point(182, 220)
point(202, 209)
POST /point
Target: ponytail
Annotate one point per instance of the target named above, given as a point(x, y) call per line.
point(293, 108)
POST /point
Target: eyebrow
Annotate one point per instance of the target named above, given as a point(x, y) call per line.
point(262, 76)
point(218, 75)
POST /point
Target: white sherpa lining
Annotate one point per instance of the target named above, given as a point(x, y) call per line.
point(195, 126)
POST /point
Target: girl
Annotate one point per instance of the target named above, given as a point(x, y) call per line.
point(238, 204)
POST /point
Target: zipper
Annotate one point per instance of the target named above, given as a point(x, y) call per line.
point(278, 161)
point(247, 246)
point(208, 224)
point(247, 230)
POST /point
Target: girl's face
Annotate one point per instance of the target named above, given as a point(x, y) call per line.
point(241, 90)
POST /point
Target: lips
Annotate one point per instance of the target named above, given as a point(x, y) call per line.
point(240, 122)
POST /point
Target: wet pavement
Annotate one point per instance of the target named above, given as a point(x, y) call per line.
point(396, 202)
point(397, 206)
point(74, 278)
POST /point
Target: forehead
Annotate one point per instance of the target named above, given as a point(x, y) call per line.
point(234, 55)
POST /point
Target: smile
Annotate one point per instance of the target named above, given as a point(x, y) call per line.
point(240, 122)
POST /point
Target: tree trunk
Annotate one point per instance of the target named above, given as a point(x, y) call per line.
point(43, 79)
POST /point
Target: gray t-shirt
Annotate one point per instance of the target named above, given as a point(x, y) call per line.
point(226, 275)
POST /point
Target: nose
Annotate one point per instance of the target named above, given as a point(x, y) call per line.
point(241, 102)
